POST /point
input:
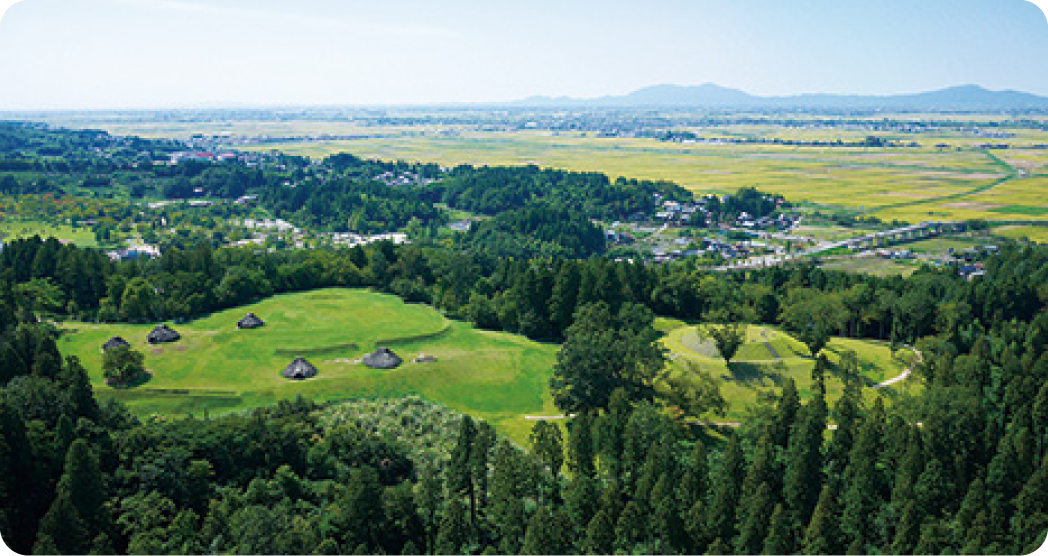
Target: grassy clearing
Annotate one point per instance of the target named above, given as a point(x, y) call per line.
point(757, 372)
point(17, 229)
point(218, 368)
point(874, 266)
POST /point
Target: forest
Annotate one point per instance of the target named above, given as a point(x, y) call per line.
point(628, 477)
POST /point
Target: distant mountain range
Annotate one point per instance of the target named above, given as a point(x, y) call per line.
point(964, 97)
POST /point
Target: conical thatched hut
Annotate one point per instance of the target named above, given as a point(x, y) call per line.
point(300, 369)
point(115, 342)
point(250, 321)
point(382, 358)
point(162, 333)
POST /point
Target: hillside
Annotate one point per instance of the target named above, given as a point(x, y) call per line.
point(217, 368)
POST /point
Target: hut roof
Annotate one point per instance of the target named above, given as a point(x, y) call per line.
point(162, 333)
point(115, 342)
point(250, 321)
point(382, 358)
point(300, 369)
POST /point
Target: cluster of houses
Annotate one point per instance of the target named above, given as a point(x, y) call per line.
point(727, 250)
point(684, 214)
point(403, 178)
point(134, 252)
point(690, 214)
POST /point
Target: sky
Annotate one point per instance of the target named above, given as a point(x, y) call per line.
point(112, 54)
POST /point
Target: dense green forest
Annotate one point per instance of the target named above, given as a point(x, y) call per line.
point(970, 479)
point(961, 469)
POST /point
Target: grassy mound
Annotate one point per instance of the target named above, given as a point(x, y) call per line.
point(218, 368)
point(770, 355)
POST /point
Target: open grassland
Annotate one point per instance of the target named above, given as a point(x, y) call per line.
point(769, 356)
point(873, 266)
point(218, 368)
point(17, 229)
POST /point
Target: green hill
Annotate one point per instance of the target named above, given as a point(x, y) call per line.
point(217, 368)
point(770, 355)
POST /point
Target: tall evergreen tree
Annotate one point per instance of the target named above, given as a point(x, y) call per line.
point(753, 519)
point(803, 477)
point(779, 539)
point(822, 535)
point(82, 483)
point(727, 485)
point(581, 446)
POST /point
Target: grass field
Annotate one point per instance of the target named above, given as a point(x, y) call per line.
point(873, 266)
point(17, 229)
point(218, 368)
point(770, 355)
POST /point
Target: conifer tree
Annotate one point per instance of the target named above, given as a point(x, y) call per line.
point(779, 539)
point(753, 520)
point(803, 476)
point(600, 534)
point(62, 527)
point(409, 548)
point(908, 531)
point(1030, 520)
point(720, 514)
point(46, 545)
point(823, 535)
point(547, 443)
point(18, 469)
point(82, 483)
point(581, 448)
point(632, 527)
point(694, 482)
point(460, 473)
point(542, 536)
point(786, 410)
point(667, 526)
point(718, 547)
point(453, 533)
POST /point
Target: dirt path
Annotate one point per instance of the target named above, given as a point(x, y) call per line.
point(906, 373)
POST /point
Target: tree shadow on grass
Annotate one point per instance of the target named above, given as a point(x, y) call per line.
point(754, 375)
point(139, 380)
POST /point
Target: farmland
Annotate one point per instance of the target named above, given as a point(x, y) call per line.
point(938, 173)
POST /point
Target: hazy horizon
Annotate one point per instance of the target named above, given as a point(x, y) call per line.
point(160, 54)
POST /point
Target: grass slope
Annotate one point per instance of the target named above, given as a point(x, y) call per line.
point(769, 356)
point(218, 368)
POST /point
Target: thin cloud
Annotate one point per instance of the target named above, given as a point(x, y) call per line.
point(356, 26)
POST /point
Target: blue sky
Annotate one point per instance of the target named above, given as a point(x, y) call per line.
point(170, 53)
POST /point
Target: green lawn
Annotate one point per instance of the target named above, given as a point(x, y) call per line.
point(770, 355)
point(18, 229)
point(216, 367)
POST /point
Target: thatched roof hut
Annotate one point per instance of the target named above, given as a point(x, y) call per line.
point(300, 369)
point(382, 358)
point(162, 333)
point(115, 342)
point(250, 321)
